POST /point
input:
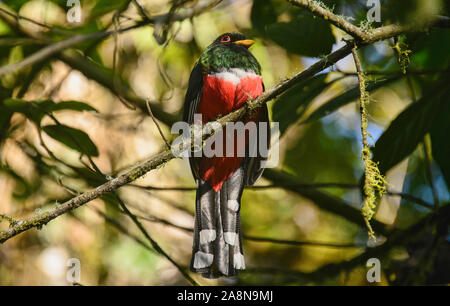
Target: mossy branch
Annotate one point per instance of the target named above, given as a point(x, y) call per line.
point(9, 219)
point(38, 220)
point(374, 183)
point(364, 34)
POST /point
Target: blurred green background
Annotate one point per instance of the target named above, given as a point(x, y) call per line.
point(90, 86)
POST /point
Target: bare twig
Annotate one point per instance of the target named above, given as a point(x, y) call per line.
point(159, 159)
point(141, 10)
point(362, 35)
point(258, 238)
point(149, 109)
point(397, 239)
point(117, 86)
point(320, 10)
point(406, 196)
point(398, 73)
point(18, 17)
point(154, 244)
point(56, 47)
point(124, 230)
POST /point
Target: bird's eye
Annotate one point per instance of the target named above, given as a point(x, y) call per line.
point(225, 39)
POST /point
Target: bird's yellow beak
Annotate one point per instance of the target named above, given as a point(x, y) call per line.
point(245, 42)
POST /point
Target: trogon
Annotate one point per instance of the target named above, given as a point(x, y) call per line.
point(225, 77)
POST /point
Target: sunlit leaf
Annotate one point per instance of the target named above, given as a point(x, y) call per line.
point(36, 110)
point(72, 105)
point(73, 138)
point(33, 110)
point(22, 189)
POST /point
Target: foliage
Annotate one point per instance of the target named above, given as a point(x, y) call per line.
point(65, 129)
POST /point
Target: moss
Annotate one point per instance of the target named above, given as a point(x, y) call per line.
point(366, 25)
point(374, 187)
point(322, 5)
point(403, 52)
point(374, 182)
point(11, 220)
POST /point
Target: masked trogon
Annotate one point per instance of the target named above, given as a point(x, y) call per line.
point(225, 77)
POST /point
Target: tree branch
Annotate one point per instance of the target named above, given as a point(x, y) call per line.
point(161, 158)
point(56, 47)
point(261, 239)
point(154, 244)
point(322, 200)
point(389, 192)
point(320, 10)
point(397, 239)
point(363, 35)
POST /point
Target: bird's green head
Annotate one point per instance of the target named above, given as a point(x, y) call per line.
point(229, 50)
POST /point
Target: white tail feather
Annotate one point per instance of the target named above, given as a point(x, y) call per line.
point(203, 260)
point(207, 236)
point(239, 261)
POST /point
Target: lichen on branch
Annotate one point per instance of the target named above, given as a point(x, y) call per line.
point(374, 181)
point(403, 52)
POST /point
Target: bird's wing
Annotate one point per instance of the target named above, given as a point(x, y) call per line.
point(254, 165)
point(193, 96)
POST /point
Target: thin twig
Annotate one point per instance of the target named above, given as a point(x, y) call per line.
point(363, 35)
point(406, 196)
point(397, 73)
point(154, 219)
point(149, 109)
point(115, 72)
point(138, 224)
point(318, 9)
point(141, 10)
point(56, 47)
point(163, 157)
point(154, 244)
point(124, 230)
point(50, 28)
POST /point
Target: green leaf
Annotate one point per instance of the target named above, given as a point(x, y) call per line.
point(303, 35)
point(431, 51)
point(16, 4)
point(290, 106)
point(73, 138)
point(23, 189)
point(73, 105)
point(36, 110)
point(106, 6)
point(33, 110)
point(263, 13)
point(407, 130)
point(347, 97)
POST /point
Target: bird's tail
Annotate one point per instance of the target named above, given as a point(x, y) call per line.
point(217, 248)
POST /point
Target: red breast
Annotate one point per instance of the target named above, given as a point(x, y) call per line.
point(224, 92)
